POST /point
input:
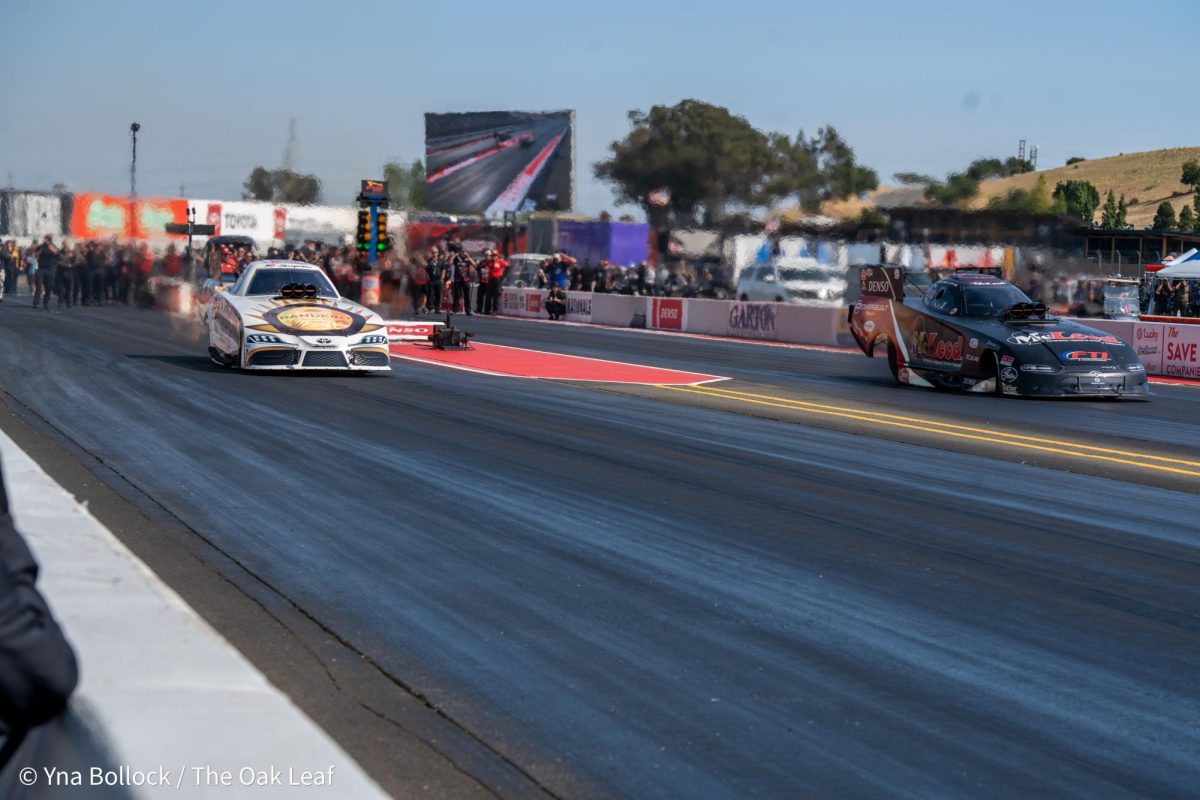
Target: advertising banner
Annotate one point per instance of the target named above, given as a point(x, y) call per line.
point(668, 314)
point(96, 216)
point(1180, 350)
point(1148, 342)
point(32, 214)
point(497, 161)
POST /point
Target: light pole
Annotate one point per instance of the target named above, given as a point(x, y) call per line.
point(133, 132)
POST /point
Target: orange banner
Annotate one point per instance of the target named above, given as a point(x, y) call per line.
point(95, 216)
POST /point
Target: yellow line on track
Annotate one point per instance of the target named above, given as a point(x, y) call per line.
point(951, 430)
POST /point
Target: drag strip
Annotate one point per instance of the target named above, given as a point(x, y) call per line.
point(632, 591)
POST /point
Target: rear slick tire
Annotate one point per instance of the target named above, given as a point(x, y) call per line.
point(893, 359)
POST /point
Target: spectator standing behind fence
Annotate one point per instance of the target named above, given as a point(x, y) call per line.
point(492, 269)
point(438, 267)
point(46, 273)
point(461, 267)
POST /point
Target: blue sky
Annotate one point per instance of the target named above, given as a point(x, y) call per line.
point(924, 86)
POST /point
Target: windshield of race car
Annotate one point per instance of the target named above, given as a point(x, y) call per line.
point(990, 299)
point(270, 281)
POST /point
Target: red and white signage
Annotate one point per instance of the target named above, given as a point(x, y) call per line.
point(411, 331)
point(533, 303)
point(668, 314)
point(1180, 351)
point(214, 217)
point(280, 222)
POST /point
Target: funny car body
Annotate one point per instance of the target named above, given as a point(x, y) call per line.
point(286, 315)
point(976, 332)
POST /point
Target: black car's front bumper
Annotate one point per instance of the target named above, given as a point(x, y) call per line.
point(1080, 384)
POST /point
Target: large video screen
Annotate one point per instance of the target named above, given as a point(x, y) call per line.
point(495, 161)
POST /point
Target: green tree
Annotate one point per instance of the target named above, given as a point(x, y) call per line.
point(706, 156)
point(1122, 213)
point(1190, 175)
point(406, 185)
point(1164, 218)
point(960, 188)
point(1079, 199)
point(1075, 160)
point(1030, 201)
point(1108, 215)
point(281, 186)
point(1187, 219)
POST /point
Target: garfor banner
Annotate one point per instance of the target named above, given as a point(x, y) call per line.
point(95, 216)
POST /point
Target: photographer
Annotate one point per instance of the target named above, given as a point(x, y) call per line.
point(461, 267)
point(556, 303)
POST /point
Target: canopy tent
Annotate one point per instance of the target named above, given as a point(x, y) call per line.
point(1185, 266)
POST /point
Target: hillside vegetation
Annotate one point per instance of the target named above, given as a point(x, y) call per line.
point(1148, 178)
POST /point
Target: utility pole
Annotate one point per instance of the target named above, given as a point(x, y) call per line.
point(133, 132)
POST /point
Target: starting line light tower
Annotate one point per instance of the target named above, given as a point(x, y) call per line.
point(372, 225)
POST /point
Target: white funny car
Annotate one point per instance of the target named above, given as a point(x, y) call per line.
point(286, 315)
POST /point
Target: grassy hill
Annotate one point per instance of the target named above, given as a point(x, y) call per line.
point(1147, 178)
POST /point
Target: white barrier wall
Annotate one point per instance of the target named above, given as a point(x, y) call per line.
point(1168, 349)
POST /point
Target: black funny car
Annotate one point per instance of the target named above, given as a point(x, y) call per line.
point(979, 333)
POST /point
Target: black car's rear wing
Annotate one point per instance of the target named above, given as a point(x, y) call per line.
point(882, 282)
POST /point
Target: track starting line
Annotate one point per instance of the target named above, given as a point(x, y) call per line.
point(518, 362)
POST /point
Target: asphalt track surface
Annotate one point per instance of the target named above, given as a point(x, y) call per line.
point(641, 592)
point(477, 185)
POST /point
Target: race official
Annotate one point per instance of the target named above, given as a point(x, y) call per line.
point(495, 267)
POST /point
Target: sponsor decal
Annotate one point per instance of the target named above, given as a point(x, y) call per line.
point(1006, 361)
point(1052, 337)
point(745, 318)
point(1008, 375)
point(667, 313)
point(512, 302)
point(1181, 351)
point(579, 306)
point(533, 303)
point(869, 305)
point(324, 342)
point(973, 344)
point(970, 357)
point(314, 319)
point(1086, 355)
point(1146, 332)
point(869, 325)
point(903, 374)
point(933, 346)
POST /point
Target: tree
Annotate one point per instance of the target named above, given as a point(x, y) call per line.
point(960, 188)
point(1031, 201)
point(1164, 218)
point(281, 186)
point(1190, 175)
point(1079, 199)
point(1075, 160)
point(706, 156)
point(816, 170)
point(1122, 213)
point(1187, 219)
point(406, 185)
point(1108, 216)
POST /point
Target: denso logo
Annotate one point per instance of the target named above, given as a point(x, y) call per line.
point(879, 287)
point(668, 313)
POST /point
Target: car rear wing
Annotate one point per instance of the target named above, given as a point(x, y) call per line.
point(882, 282)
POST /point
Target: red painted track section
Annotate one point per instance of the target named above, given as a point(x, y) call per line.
point(495, 359)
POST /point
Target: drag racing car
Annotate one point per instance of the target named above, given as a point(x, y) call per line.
point(979, 333)
point(286, 315)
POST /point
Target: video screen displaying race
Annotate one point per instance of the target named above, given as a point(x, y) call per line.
point(495, 161)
